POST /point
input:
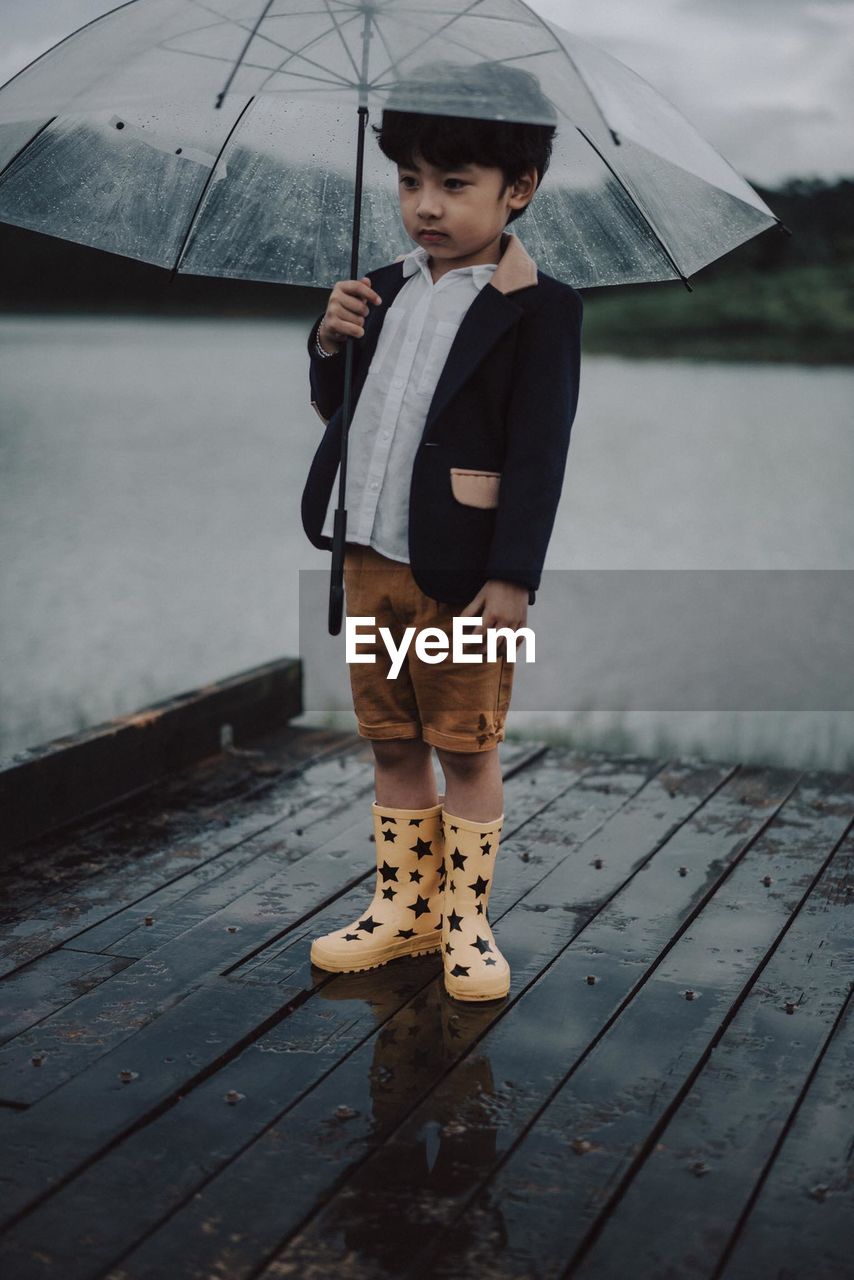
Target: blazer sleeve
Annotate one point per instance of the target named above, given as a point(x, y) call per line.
point(326, 377)
point(539, 420)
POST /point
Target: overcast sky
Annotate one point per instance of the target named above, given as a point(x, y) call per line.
point(770, 83)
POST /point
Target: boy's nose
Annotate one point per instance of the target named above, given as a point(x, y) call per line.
point(428, 208)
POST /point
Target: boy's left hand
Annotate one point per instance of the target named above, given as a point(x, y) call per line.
point(500, 604)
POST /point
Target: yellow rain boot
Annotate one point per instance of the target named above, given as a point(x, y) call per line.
point(474, 967)
point(404, 916)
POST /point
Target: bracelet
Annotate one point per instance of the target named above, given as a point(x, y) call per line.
point(327, 355)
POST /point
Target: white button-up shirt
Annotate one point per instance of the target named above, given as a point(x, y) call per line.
point(388, 422)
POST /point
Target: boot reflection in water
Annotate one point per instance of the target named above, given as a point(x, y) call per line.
point(391, 1207)
point(404, 916)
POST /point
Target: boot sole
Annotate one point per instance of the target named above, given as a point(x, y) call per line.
point(378, 958)
point(461, 994)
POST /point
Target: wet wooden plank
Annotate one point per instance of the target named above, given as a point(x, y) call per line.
point(297, 1161)
point(212, 790)
point(726, 1126)
point(331, 794)
point(67, 882)
point(320, 807)
point(61, 1133)
point(34, 992)
point(372, 1110)
point(801, 1225)
point(60, 782)
point(94, 915)
point(336, 853)
point(609, 1103)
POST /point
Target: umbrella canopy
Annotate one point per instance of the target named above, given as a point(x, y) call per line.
point(218, 138)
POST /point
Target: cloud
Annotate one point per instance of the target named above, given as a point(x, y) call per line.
point(769, 83)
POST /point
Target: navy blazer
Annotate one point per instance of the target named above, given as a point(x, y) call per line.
point(504, 403)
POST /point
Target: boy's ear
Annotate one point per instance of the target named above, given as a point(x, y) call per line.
point(531, 176)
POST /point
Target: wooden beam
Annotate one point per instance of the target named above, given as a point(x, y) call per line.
point(48, 786)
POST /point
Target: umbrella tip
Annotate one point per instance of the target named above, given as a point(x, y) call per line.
point(782, 226)
point(615, 136)
point(219, 99)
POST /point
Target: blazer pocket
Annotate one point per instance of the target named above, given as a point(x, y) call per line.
point(475, 488)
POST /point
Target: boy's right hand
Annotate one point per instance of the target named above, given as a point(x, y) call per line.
point(348, 303)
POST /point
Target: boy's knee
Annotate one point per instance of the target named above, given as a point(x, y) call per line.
point(389, 752)
point(464, 764)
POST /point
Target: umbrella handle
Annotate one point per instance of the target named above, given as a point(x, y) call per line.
point(336, 584)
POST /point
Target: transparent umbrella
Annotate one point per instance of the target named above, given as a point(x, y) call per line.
point(219, 139)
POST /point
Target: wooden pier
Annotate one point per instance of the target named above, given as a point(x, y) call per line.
point(667, 1092)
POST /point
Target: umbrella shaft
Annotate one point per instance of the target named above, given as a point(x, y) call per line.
point(354, 270)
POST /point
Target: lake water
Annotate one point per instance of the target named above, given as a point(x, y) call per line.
point(150, 481)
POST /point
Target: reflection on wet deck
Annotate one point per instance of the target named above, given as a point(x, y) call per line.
point(666, 1091)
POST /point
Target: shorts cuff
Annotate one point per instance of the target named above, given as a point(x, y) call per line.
point(382, 731)
point(456, 742)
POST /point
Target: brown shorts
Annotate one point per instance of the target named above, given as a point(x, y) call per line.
point(461, 706)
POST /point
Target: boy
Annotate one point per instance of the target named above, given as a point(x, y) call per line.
point(465, 385)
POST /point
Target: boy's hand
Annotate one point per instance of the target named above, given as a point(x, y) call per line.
point(500, 604)
point(347, 304)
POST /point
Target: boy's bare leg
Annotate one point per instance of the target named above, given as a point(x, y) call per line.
point(404, 775)
point(475, 787)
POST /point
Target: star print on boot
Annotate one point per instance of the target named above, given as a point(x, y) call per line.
point(474, 968)
point(404, 916)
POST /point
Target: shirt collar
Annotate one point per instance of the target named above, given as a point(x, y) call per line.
point(416, 260)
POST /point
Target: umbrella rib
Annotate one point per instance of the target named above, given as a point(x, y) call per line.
point(297, 53)
point(243, 52)
point(344, 43)
point(432, 36)
point(484, 17)
point(639, 208)
point(516, 57)
point(191, 224)
point(259, 66)
point(455, 40)
point(8, 165)
point(460, 44)
point(108, 13)
point(261, 35)
point(294, 53)
point(591, 95)
point(385, 43)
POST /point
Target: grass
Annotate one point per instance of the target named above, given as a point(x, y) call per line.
point(803, 314)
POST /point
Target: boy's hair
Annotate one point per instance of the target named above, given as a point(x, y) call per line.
point(449, 140)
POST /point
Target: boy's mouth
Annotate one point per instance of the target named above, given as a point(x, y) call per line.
point(431, 235)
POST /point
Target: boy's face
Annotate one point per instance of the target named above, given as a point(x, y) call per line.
point(466, 204)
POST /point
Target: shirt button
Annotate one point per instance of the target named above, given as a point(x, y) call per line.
point(397, 383)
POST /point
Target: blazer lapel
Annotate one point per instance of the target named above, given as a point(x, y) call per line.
point(489, 316)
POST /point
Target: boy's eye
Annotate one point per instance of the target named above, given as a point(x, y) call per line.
point(406, 178)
